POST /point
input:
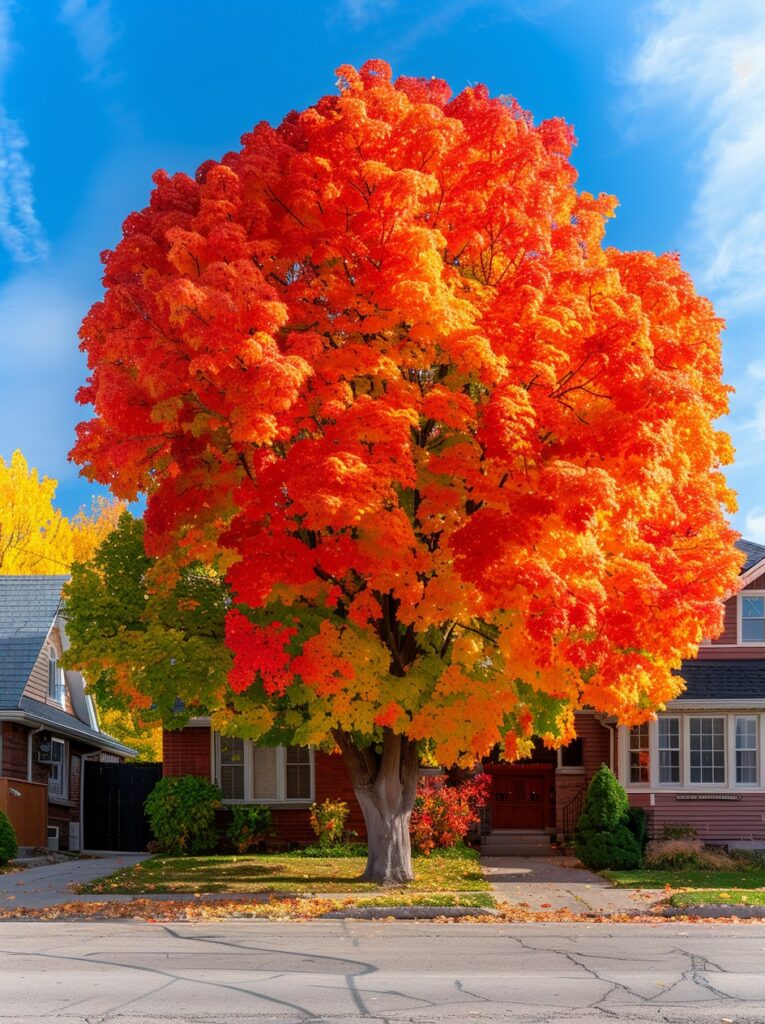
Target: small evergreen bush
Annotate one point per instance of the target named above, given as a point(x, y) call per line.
point(603, 838)
point(249, 825)
point(181, 813)
point(9, 848)
point(637, 823)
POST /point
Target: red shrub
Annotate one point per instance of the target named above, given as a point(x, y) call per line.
point(443, 814)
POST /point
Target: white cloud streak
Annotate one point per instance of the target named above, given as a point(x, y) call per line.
point(21, 234)
point(94, 33)
point(708, 58)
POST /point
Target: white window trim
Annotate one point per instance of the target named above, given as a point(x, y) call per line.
point(757, 751)
point(740, 617)
point(685, 785)
point(64, 794)
point(726, 783)
point(281, 799)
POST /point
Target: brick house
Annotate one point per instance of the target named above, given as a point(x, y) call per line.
point(48, 723)
point(700, 762)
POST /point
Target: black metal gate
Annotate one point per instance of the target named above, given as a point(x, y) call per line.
point(112, 807)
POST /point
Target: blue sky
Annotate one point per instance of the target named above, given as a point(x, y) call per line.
point(667, 98)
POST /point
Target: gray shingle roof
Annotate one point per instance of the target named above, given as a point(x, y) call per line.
point(59, 720)
point(754, 553)
point(28, 606)
point(706, 679)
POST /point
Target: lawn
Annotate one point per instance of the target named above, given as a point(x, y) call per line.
point(687, 878)
point(286, 873)
point(752, 898)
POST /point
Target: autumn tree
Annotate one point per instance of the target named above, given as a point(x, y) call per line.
point(35, 537)
point(454, 456)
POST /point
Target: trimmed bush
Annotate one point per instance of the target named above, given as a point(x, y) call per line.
point(637, 823)
point(181, 813)
point(249, 825)
point(9, 848)
point(603, 838)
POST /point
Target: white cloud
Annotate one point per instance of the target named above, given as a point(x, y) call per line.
point(361, 13)
point(755, 525)
point(93, 30)
point(20, 232)
point(708, 58)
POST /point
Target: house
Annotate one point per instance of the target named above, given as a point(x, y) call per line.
point(48, 724)
point(700, 762)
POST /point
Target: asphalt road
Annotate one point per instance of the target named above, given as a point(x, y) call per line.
point(129, 972)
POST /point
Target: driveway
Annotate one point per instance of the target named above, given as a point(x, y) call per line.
point(47, 884)
point(558, 883)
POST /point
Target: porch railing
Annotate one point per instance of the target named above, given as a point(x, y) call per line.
point(570, 816)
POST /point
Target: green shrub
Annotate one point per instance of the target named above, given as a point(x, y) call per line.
point(616, 849)
point(9, 848)
point(328, 822)
point(671, 854)
point(637, 823)
point(181, 813)
point(603, 838)
point(249, 824)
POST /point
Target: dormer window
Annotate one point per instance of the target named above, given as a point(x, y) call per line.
point(753, 619)
point(55, 677)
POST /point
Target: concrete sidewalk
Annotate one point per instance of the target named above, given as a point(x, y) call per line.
point(48, 884)
point(559, 883)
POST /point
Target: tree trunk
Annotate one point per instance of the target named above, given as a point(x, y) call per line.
point(385, 785)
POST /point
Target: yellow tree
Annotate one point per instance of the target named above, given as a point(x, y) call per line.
point(35, 538)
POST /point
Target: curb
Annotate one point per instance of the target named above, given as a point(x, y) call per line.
point(407, 913)
point(712, 911)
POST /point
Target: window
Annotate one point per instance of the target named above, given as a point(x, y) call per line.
point(255, 774)
point(707, 750)
point(572, 755)
point(55, 677)
point(232, 767)
point(669, 750)
point(746, 751)
point(752, 619)
point(56, 773)
point(638, 753)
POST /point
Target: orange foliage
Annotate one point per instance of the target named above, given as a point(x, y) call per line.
point(457, 454)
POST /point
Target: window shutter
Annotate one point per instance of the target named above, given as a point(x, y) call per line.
point(264, 773)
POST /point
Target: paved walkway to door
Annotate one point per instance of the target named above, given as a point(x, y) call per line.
point(558, 883)
point(48, 884)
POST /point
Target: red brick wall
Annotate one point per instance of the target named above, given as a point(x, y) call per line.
point(14, 746)
point(596, 750)
point(187, 752)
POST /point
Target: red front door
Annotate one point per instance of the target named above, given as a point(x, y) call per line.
point(520, 798)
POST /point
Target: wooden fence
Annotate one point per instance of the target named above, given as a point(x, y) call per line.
point(26, 804)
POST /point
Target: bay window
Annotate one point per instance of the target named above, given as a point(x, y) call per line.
point(669, 750)
point(707, 750)
point(247, 772)
point(746, 750)
point(639, 755)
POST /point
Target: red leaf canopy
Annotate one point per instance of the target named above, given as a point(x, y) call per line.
point(455, 455)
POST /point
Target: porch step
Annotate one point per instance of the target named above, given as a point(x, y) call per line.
point(517, 844)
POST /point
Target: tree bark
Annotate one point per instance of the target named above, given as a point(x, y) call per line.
point(385, 785)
